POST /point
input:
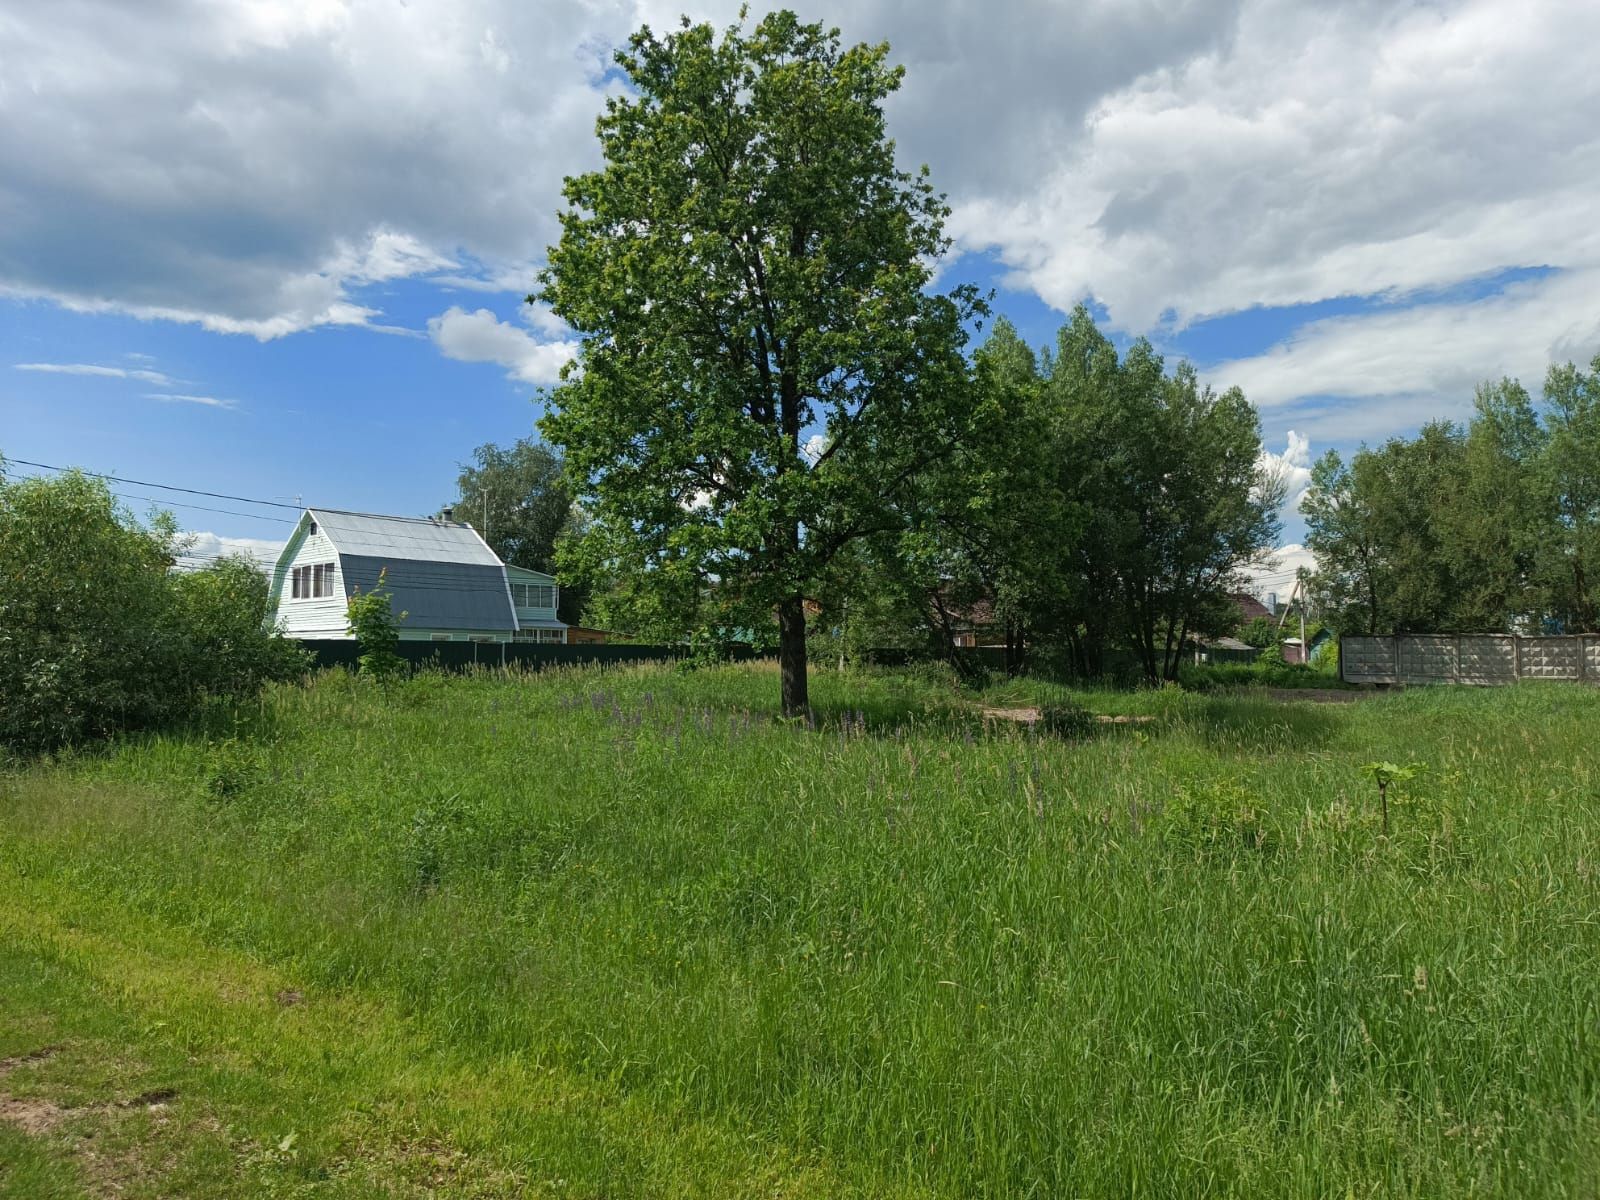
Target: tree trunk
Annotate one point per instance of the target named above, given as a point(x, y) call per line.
point(792, 656)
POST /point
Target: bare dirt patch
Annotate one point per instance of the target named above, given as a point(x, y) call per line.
point(32, 1116)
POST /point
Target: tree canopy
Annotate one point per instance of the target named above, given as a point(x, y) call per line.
point(763, 374)
point(1484, 527)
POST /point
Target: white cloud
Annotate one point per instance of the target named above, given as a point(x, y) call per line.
point(1403, 365)
point(1276, 573)
point(207, 401)
point(143, 376)
point(266, 167)
point(1293, 466)
point(1320, 151)
point(481, 336)
point(205, 548)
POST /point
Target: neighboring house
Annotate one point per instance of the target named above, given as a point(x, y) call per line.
point(535, 596)
point(583, 635)
point(438, 572)
point(1249, 607)
point(1294, 652)
point(969, 624)
point(1222, 650)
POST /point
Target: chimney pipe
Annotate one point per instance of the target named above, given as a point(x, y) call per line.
point(447, 513)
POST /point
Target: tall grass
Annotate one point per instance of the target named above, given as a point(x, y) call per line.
point(1176, 958)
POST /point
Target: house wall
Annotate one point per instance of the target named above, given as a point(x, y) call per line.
point(534, 614)
point(315, 618)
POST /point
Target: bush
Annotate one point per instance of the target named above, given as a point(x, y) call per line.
point(373, 623)
point(1219, 676)
point(99, 634)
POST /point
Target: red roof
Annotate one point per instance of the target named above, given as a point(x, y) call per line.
point(1249, 607)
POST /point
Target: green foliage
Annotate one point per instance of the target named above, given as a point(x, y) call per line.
point(1266, 671)
point(1385, 775)
point(1166, 474)
point(736, 280)
point(375, 625)
point(588, 919)
point(1213, 817)
point(518, 498)
point(1482, 528)
point(99, 634)
point(1260, 632)
point(1066, 719)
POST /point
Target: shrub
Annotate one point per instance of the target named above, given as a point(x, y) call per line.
point(374, 625)
point(99, 634)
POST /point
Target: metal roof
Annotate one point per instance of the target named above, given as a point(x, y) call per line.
point(439, 573)
point(418, 538)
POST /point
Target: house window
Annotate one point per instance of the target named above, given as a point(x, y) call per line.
point(312, 582)
point(546, 636)
point(534, 595)
point(441, 637)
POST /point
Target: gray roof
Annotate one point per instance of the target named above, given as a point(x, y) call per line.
point(440, 574)
point(404, 537)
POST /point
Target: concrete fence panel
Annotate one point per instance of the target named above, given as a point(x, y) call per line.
point(1488, 658)
point(1470, 658)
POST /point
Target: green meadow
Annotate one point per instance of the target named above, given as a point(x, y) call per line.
point(623, 933)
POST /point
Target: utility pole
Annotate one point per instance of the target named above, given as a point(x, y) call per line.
point(1305, 650)
point(486, 515)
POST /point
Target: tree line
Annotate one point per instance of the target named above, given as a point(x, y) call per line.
point(1486, 526)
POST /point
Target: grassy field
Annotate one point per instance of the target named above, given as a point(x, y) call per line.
point(623, 934)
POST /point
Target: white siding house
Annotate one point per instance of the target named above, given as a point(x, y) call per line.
point(535, 596)
point(439, 573)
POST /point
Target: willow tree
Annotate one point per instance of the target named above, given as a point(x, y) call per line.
point(763, 371)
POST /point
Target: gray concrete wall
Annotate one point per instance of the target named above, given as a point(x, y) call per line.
point(1470, 658)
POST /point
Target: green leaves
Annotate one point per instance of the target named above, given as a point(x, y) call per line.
point(746, 272)
point(375, 625)
point(99, 633)
point(1482, 528)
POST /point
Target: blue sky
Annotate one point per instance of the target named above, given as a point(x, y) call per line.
point(278, 248)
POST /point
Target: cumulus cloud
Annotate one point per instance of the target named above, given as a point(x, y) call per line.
point(481, 336)
point(266, 168)
point(1293, 467)
point(1324, 150)
point(94, 369)
point(1276, 572)
point(250, 167)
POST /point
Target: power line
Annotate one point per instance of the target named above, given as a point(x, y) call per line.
point(166, 487)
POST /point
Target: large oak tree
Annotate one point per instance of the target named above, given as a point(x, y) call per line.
point(763, 372)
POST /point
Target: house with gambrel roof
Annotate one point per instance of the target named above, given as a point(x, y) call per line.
point(444, 577)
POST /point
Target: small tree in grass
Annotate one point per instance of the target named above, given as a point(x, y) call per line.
point(373, 623)
point(1386, 773)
